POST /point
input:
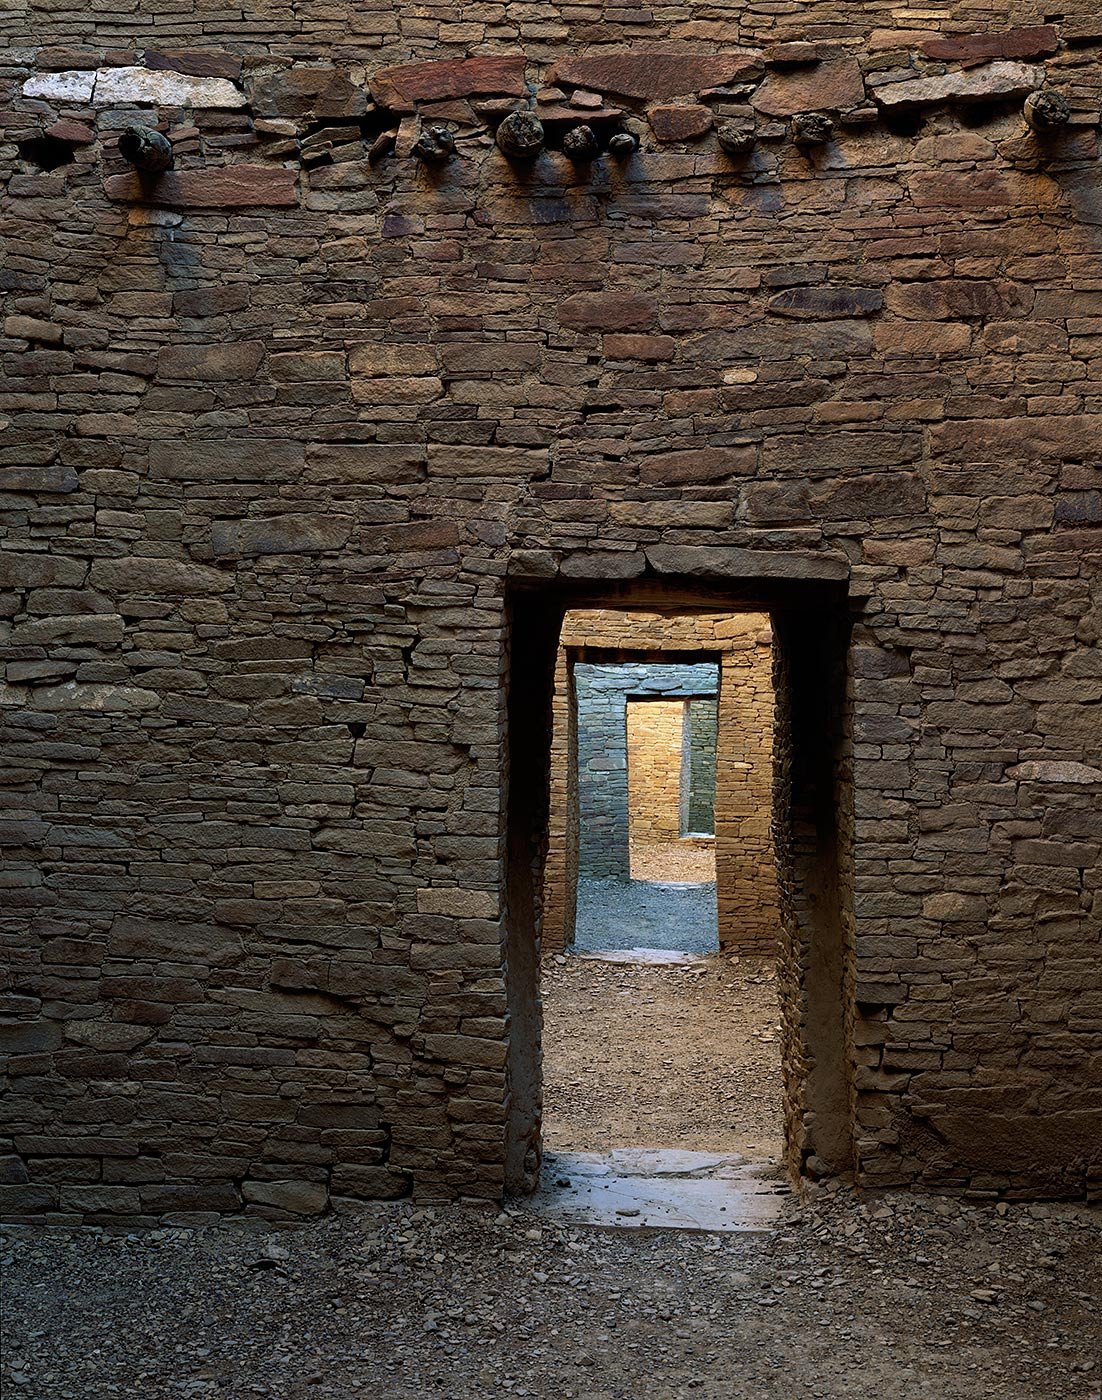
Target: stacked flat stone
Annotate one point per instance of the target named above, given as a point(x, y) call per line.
point(285, 431)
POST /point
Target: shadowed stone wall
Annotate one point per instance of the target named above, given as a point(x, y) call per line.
point(280, 425)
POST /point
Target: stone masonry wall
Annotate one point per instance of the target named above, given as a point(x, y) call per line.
point(703, 723)
point(282, 427)
point(745, 876)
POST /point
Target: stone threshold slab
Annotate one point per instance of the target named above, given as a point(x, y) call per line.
point(632, 1188)
point(645, 957)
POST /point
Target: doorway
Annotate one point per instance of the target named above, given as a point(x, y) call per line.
point(801, 834)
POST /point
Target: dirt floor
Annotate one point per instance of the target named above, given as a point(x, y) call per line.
point(683, 1056)
point(673, 860)
point(881, 1299)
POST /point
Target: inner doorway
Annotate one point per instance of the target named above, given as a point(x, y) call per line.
point(661, 1034)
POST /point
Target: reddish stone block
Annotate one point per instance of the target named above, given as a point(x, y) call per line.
point(639, 347)
point(224, 363)
point(409, 83)
point(657, 75)
point(218, 187)
point(826, 303)
point(196, 63)
point(608, 311)
point(699, 464)
point(828, 87)
point(75, 133)
point(1034, 41)
point(680, 123)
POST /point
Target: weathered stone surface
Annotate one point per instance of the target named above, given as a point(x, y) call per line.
point(281, 534)
point(200, 63)
point(311, 92)
point(250, 459)
point(135, 939)
point(608, 311)
point(993, 82)
point(410, 83)
point(149, 575)
point(1055, 771)
point(717, 562)
point(29, 1037)
point(74, 86)
point(148, 87)
point(109, 87)
point(1035, 41)
point(826, 303)
point(217, 187)
point(52, 481)
point(1018, 439)
point(73, 132)
point(707, 464)
point(307, 366)
point(33, 328)
point(828, 87)
point(457, 903)
point(658, 74)
point(292, 1197)
point(187, 364)
point(684, 122)
point(40, 570)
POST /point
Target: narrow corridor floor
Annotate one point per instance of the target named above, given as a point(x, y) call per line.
point(684, 1056)
point(618, 914)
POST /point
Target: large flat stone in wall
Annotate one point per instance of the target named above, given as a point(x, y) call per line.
point(488, 74)
point(1032, 41)
point(250, 459)
point(215, 187)
point(174, 577)
point(828, 87)
point(826, 303)
point(996, 81)
point(135, 87)
point(186, 364)
point(718, 562)
point(200, 63)
point(608, 311)
point(283, 534)
point(658, 74)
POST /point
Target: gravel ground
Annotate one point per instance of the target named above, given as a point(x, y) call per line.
point(685, 1057)
point(615, 914)
point(884, 1299)
point(673, 860)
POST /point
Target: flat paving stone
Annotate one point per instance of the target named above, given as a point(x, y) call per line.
point(669, 1189)
point(646, 957)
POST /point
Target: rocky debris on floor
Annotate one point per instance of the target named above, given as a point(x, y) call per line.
point(850, 1296)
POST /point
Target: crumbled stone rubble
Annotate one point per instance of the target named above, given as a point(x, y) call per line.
point(855, 1297)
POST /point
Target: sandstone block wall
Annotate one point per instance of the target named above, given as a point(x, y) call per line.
point(589, 826)
point(285, 432)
